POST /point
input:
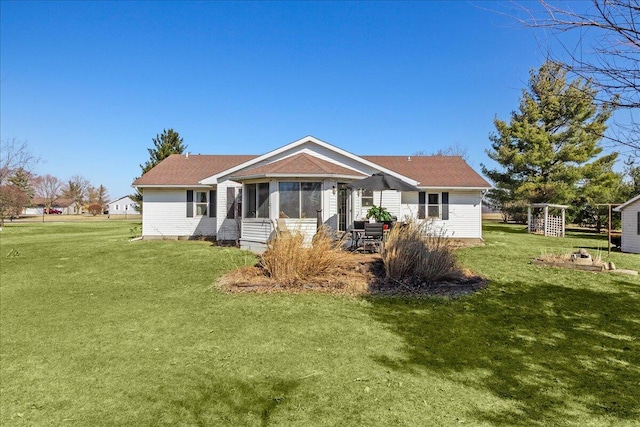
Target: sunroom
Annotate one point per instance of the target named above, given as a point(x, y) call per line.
point(295, 193)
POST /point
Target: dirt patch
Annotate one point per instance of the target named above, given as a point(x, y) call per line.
point(357, 274)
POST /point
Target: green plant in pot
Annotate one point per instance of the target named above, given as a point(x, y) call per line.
point(379, 213)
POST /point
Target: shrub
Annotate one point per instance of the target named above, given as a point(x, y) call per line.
point(416, 253)
point(292, 263)
point(95, 209)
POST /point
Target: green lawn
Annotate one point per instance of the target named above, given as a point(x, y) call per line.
point(97, 330)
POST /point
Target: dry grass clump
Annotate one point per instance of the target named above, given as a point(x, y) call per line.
point(415, 254)
point(290, 262)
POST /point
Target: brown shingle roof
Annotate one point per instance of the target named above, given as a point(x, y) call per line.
point(178, 169)
point(433, 171)
point(301, 163)
point(429, 171)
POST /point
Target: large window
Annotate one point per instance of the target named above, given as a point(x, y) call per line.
point(299, 199)
point(257, 200)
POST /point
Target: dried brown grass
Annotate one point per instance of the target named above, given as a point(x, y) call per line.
point(415, 253)
point(290, 262)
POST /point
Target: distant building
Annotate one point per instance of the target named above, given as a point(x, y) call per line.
point(122, 206)
point(59, 206)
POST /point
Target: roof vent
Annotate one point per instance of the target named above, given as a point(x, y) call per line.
point(186, 156)
point(408, 158)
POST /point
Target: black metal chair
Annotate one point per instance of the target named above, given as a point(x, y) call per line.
point(373, 236)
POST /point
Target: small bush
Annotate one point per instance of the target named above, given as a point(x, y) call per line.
point(95, 209)
point(292, 263)
point(415, 253)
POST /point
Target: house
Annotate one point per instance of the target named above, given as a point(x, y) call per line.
point(243, 197)
point(122, 206)
point(61, 206)
point(630, 225)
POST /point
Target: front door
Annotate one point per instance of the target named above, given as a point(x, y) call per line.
point(344, 211)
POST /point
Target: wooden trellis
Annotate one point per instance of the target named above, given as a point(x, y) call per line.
point(542, 222)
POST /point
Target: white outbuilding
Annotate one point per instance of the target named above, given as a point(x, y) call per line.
point(630, 225)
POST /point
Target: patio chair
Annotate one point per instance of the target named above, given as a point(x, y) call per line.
point(356, 231)
point(373, 235)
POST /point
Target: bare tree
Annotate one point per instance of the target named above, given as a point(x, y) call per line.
point(607, 52)
point(15, 155)
point(453, 150)
point(12, 201)
point(48, 188)
point(77, 190)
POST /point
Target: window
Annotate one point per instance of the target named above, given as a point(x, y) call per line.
point(201, 203)
point(257, 200)
point(433, 205)
point(299, 199)
point(367, 197)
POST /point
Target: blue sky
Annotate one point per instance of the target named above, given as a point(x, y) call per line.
point(89, 84)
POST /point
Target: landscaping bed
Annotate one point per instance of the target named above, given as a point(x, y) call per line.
point(354, 274)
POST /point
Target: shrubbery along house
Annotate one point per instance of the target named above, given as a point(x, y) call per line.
point(244, 197)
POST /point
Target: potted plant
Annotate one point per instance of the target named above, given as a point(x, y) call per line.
point(379, 213)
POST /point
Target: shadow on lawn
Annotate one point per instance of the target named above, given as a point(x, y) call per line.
point(226, 402)
point(546, 348)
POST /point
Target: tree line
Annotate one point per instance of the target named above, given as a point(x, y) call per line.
point(19, 186)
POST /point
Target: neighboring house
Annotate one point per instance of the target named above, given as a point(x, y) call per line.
point(630, 225)
point(122, 206)
point(243, 197)
point(65, 206)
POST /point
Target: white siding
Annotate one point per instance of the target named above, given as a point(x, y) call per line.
point(465, 213)
point(256, 230)
point(227, 228)
point(630, 237)
point(390, 201)
point(305, 226)
point(164, 214)
point(122, 206)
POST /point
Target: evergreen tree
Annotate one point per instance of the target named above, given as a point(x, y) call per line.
point(23, 180)
point(544, 150)
point(164, 145)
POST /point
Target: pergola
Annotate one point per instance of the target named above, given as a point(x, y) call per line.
point(541, 222)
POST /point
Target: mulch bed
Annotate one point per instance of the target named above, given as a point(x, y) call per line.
point(358, 274)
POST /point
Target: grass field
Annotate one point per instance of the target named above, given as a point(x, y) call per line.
point(97, 330)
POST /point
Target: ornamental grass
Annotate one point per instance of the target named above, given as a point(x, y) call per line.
point(417, 253)
point(291, 261)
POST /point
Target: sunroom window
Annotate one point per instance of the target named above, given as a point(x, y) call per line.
point(257, 200)
point(299, 199)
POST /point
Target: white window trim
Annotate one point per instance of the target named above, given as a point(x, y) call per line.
point(196, 203)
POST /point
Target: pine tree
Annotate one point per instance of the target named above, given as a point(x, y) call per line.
point(23, 180)
point(166, 144)
point(544, 150)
